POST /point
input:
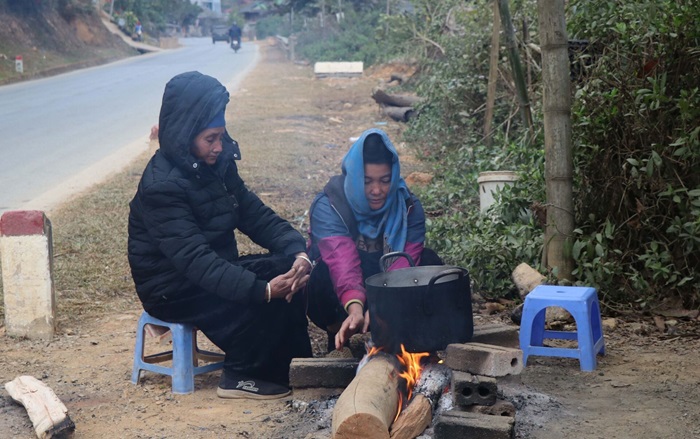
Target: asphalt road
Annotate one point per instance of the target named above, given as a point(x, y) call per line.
point(53, 131)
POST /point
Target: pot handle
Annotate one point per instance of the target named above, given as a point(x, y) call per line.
point(393, 255)
point(427, 304)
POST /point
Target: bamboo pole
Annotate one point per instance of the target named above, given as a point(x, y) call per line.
point(557, 137)
point(516, 66)
point(493, 73)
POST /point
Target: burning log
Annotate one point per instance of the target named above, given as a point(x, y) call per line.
point(369, 404)
point(434, 380)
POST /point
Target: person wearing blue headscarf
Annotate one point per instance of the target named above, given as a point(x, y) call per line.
point(361, 215)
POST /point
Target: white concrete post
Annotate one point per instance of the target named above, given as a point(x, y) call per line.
point(26, 254)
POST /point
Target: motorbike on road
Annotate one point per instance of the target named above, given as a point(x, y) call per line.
point(235, 44)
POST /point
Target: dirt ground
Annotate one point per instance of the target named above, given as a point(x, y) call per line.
point(647, 385)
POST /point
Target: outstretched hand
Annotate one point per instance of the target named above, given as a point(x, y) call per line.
point(355, 322)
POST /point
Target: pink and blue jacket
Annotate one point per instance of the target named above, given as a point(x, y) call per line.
point(333, 242)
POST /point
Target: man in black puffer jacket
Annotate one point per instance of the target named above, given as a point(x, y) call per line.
point(183, 253)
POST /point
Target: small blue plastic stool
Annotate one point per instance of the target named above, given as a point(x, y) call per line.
point(582, 303)
point(185, 355)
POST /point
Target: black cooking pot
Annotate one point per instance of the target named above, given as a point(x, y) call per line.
point(424, 308)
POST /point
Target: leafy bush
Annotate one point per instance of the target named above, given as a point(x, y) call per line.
point(271, 25)
point(636, 127)
point(354, 38)
point(453, 41)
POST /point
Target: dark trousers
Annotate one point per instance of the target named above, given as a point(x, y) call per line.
point(259, 340)
point(324, 308)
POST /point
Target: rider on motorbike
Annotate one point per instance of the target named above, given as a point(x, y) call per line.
point(234, 33)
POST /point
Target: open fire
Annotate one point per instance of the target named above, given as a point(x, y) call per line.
point(420, 374)
point(392, 395)
point(411, 365)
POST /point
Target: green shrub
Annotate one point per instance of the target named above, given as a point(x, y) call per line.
point(270, 26)
point(636, 123)
point(355, 38)
point(449, 132)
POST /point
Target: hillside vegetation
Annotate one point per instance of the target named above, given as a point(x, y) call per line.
point(52, 37)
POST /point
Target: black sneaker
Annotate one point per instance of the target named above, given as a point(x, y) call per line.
point(237, 386)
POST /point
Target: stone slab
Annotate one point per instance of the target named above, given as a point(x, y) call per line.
point(484, 359)
point(497, 334)
point(324, 69)
point(322, 372)
point(455, 424)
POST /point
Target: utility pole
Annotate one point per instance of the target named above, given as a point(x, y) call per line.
point(557, 138)
point(323, 12)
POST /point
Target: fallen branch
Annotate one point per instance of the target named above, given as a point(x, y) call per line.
point(48, 414)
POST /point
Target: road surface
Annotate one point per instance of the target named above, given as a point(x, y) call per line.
point(62, 134)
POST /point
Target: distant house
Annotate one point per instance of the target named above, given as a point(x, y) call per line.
point(211, 5)
point(254, 11)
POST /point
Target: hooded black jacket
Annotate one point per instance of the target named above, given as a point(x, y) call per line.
point(183, 216)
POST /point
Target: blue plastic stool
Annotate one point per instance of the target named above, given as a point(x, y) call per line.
point(582, 303)
point(185, 355)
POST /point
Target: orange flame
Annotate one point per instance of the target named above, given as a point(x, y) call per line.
point(412, 369)
point(411, 363)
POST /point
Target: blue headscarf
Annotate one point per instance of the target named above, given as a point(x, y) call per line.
point(392, 217)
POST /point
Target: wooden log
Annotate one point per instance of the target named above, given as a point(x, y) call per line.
point(48, 414)
point(526, 279)
point(432, 383)
point(398, 78)
point(414, 419)
point(367, 407)
point(394, 100)
point(399, 114)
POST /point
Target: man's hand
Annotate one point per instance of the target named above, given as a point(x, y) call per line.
point(287, 284)
point(355, 322)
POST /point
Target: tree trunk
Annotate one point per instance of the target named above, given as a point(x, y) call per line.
point(516, 66)
point(493, 73)
point(557, 138)
point(368, 406)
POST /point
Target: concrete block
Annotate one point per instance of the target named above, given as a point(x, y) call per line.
point(322, 372)
point(500, 408)
point(483, 359)
point(338, 69)
point(26, 252)
point(497, 334)
point(459, 425)
point(468, 389)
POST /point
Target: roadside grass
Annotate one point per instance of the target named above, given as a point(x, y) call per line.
point(293, 130)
